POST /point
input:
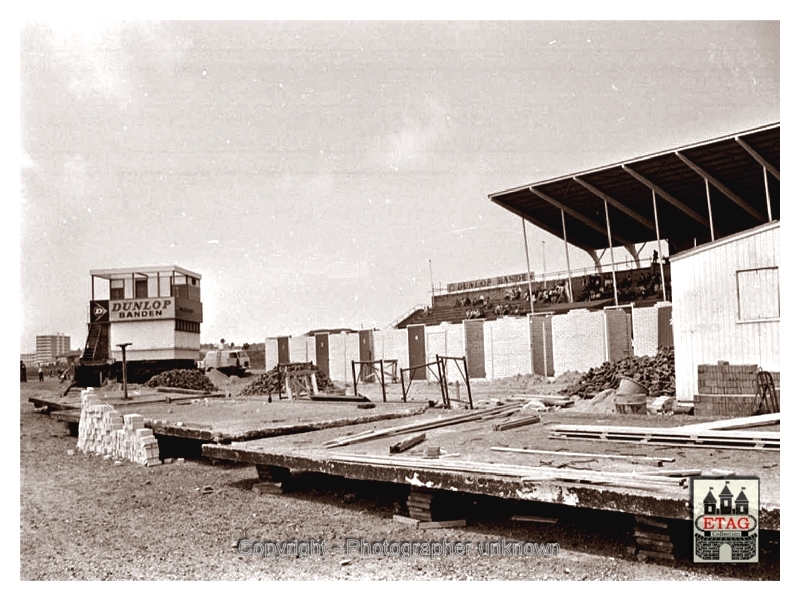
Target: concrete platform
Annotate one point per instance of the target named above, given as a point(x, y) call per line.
point(468, 463)
point(223, 420)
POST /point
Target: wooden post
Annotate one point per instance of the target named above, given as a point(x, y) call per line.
point(661, 256)
point(566, 252)
point(710, 216)
point(766, 189)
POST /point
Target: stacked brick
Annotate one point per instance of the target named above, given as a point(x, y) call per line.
point(728, 390)
point(103, 430)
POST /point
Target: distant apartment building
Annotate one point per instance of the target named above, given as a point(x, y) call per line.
point(49, 347)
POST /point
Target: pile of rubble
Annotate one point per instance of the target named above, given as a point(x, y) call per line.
point(187, 379)
point(104, 431)
point(274, 380)
point(656, 373)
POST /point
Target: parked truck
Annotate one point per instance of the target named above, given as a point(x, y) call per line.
point(230, 362)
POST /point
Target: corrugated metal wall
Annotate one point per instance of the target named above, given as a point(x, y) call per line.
point(705, 306)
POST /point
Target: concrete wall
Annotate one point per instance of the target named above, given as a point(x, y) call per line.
point(707, 305)
point(446, 339)
point(392, 343)
point(342, 348)
point(507, 347)
point(645, 331)
point(270, 353)
point(302, 349)
point(579, 341)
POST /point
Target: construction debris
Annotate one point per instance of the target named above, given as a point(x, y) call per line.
point(187, 379)
point(657, 373)
point(274, 380)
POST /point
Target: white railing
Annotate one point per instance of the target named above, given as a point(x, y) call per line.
point(405, 315)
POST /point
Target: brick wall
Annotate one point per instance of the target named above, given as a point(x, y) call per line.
point(579, 341)
point(728, 390)
point(507, 347)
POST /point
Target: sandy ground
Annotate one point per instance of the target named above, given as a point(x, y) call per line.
point(85, 518)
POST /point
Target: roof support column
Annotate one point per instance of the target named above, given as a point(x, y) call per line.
point(611, 248)
point(528, 262)
point(660, 253)
point(710, 216)
point(769, 201)
point(566, 252)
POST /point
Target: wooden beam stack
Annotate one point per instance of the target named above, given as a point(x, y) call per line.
point(653, 540)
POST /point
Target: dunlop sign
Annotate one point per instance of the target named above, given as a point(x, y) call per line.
point(489, 282)
point(142, 310)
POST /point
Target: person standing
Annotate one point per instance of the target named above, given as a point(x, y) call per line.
point(41, 373)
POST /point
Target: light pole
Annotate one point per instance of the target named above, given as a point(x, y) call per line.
point(124, 370)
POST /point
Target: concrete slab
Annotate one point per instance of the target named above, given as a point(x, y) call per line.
point(468, 464)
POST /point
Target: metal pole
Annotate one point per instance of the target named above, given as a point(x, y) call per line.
point(710, 217)
point(466, 380)
point(661, 256)
point(528, 262)
point(355, 379)
point(611, 248)
point(383, 382)
point(769, 201)
point(430, 268)
point(124, 370)
point(566, 251)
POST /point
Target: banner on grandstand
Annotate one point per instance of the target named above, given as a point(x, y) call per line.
point(489, 282)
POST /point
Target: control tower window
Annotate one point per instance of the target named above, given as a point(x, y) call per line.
point(117, 289)
point(141, 288)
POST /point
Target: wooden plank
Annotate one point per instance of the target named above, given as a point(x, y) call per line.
point(532, 519)
point(626, 457)
point(442, 524)
point(650, 522)
point(738, 423)
point(407, 443)
point(406, 520)
point(514, 423)
point(414, 427)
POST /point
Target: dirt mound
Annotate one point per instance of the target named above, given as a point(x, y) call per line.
point(568, 378)
point(603, 403)
point(217, 378)
point(187, 379)
point(656, 373)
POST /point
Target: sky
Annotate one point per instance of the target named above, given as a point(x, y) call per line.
point(320, 174)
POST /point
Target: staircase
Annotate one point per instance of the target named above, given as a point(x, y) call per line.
point(96, 343)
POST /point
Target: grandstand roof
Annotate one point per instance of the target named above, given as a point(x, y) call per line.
point(735, 167)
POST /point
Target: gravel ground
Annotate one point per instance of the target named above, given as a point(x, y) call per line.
point(85, 518)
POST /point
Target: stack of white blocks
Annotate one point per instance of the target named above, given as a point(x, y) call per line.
point(103, 430)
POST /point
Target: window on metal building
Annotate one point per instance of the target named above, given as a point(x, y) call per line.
point(759, 294)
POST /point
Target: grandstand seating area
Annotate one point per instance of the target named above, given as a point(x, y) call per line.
point(639, 286)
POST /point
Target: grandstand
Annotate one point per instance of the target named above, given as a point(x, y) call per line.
point(591, 290)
